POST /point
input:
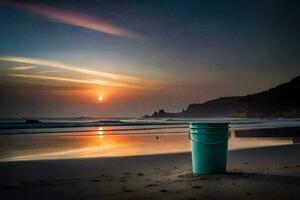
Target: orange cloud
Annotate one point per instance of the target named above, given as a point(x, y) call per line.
point(92, 81)
point(77, 19)
point(21, 68)
point(95, 77)
point(79, 69)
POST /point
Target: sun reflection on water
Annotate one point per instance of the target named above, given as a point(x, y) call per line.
point(101, 132)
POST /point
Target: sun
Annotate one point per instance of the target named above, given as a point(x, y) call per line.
point(100, 98)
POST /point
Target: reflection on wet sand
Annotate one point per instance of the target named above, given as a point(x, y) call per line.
point(242, 143)
point(101, 133)
point(107, 143)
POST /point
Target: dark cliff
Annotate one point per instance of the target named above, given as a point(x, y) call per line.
point(281, 101)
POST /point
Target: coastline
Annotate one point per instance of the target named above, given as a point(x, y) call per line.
point(258, 173)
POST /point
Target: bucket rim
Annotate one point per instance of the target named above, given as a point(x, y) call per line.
point(210, 123)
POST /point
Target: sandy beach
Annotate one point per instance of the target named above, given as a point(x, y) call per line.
point(258, 173)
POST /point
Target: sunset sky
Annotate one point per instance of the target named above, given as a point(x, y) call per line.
point(58, 57)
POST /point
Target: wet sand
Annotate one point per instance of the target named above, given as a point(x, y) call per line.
point(269, 132)
point(260, 173)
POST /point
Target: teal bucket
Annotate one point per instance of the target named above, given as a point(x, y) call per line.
point(209, 147)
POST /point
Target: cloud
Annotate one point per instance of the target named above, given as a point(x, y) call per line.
point(77, 19)
point(47, 72)
point(79, 69)
point(92, 81)
point(21, 68)
point(94, 77)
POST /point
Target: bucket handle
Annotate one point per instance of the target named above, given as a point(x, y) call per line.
point(210, 143)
